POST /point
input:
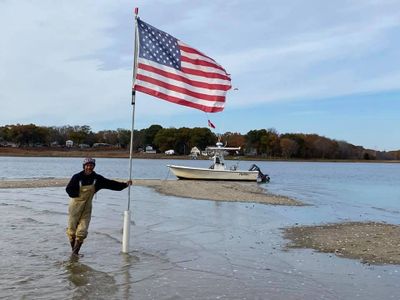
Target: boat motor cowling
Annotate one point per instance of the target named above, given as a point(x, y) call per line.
point(262, 178)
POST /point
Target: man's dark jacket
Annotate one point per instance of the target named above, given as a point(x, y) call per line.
point(101, 183)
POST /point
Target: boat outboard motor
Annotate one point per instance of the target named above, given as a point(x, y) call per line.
point(261, 176)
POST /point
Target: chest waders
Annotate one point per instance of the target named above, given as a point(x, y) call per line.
point(80, 212)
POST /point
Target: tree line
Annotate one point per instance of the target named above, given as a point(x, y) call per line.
point(266, 143)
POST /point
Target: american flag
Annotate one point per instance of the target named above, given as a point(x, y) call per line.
point(173, 71)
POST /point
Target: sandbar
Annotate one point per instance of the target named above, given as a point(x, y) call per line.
point(370, 242)
point(202, 190)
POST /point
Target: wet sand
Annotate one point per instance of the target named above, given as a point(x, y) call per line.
point(203, 190)
point(373, 243)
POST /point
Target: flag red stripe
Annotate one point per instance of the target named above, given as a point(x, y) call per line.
point(191, 50)
point(180, 89)
point(177, 100)
point(194, 83)
point(203, 73)
point(201, 63)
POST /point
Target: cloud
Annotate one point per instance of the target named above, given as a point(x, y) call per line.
point(319, 62)
point(42, 73)
point(70, 62)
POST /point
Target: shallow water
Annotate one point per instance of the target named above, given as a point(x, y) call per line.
point(191, 249)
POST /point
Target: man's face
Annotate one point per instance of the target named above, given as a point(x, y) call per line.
point(88, 168)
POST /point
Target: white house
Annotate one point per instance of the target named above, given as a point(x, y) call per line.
point(194, 152)
point(149, 149)
point(69, 143)
point(170, 152)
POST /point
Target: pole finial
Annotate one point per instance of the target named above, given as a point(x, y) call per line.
point(136, 11)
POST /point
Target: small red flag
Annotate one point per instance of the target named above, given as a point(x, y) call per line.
point(210, 124)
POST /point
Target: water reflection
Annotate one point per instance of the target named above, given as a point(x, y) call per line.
point(89, 283)
point(128, 261)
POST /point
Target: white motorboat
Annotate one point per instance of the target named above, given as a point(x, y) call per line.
point(218, 170)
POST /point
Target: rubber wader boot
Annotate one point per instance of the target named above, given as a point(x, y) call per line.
point(72, 242)
point(77, 247)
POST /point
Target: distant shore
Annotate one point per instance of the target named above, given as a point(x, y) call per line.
point(66, 152)
point(124, 153)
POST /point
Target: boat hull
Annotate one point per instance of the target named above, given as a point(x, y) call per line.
point(210, 174)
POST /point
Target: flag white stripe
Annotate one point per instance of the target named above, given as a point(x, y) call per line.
point(197, 56)
point(198, 53)
point(181, 84)
point(189, 65)
point(179, 95)
point(180, 73)
point(202, 58)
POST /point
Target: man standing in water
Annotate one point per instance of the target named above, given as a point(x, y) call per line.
point(81, 188)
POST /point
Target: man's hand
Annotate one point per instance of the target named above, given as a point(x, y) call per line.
point(129, 182)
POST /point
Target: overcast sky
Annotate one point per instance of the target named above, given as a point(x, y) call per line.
point(325, 67)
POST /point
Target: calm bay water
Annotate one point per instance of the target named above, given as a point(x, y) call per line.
point(191, 249)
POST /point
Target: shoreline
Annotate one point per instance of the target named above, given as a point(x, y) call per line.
point(121, 153)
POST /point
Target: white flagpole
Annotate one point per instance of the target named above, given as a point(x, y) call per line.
point(127, 213)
